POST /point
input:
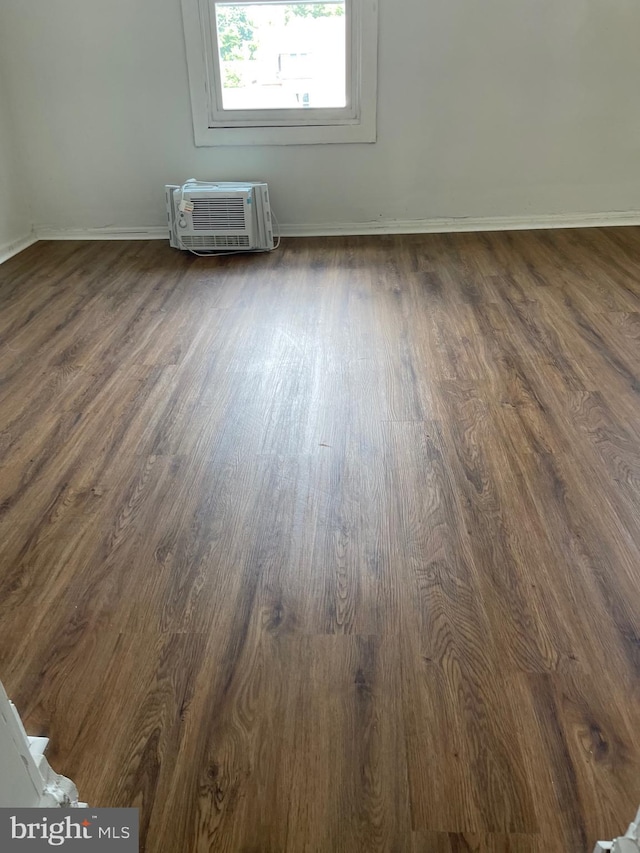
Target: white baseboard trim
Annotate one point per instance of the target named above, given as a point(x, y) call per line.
point(388, 226)
point(152, 232)
point(13, 247)
point(464, 223)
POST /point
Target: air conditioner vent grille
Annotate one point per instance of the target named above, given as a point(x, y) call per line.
point(225, 241)
point(218, 214)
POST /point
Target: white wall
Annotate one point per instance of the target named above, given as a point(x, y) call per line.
point(499, 107)
point(15, 222)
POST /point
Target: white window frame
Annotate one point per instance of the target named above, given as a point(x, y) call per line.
point(213, 126)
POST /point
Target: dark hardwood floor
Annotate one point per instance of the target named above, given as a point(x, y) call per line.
point(333, 549)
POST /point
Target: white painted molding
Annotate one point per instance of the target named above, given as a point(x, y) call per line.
point(13, 247)
point(355, 122)
point(26, 778)
point(464, 223)
point(383, 226)
point(153, 232)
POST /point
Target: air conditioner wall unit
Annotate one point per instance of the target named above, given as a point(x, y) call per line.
point(219, 217)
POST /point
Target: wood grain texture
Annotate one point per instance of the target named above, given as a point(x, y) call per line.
point(333, 549)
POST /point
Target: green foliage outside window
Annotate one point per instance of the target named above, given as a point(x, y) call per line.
point(235, 34)
point(306, 10)
point(236, 30)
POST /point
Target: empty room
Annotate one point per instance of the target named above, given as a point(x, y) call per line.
point(320, 426)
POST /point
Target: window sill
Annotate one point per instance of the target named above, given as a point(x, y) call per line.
point(310, 135)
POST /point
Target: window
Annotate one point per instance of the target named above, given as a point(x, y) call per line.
point(277, 72)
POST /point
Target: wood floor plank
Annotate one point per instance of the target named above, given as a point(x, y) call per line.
point(454, 842)
point(331, 549)
point(578, 755)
